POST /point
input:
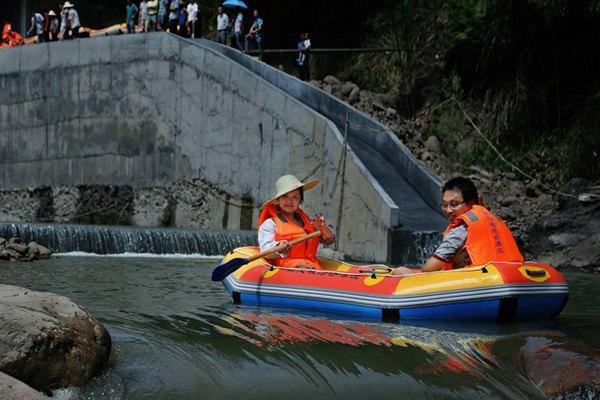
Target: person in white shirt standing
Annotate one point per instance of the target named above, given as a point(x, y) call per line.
point(64, 19)
point(192, 16)
point(238, 29)
point(72, 19)
point(152, 13)
point(144, 15)
point(222, 25)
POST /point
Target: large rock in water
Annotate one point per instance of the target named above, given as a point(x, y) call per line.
point(47, 341)
point(568, 239)
point(11, 388)
point(561, 369)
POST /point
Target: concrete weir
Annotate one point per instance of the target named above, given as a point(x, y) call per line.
point(165, 117)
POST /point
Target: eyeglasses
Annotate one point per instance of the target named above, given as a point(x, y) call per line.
point(453, 205)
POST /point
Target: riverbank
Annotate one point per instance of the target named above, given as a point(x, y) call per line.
point(556, 224)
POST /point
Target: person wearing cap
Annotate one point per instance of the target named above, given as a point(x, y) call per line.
point(72, 19)
point(53, 26)
point(281, 220)
point(64, 21)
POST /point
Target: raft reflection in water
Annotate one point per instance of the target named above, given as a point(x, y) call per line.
point(431, 352)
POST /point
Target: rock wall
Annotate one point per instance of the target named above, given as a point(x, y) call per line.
point(152, 112)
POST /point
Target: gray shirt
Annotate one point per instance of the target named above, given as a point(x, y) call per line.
point(451, 244)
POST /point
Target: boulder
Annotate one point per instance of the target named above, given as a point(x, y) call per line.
point(433, 144)
point(44, 251)
point(348, 87)
point(465, 146)
point(11, 388)
point(378, 105)
point(561, 368)
point(47, 341)
point(386, 99)
point(509, 200)
point(570, 238)
point(21, 248)
point(332, 80)
point(354, 96)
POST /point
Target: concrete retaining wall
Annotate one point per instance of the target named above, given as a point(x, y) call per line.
point(148, 111)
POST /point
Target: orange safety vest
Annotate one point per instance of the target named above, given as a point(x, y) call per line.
point(488, 238)
point(9, 37)
point(301, 253)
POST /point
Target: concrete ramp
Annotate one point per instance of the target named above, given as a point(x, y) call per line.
point(414, 188)
point(153, 111)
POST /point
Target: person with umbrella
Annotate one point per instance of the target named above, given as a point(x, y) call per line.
point(238, 23)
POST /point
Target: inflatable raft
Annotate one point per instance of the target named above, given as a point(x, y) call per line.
point(495, 291)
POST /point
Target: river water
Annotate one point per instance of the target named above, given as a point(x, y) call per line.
point(177, 335)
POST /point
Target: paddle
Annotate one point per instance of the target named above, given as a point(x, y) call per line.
point(221, 271)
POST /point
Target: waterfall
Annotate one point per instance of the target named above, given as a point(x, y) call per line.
point(102, 239)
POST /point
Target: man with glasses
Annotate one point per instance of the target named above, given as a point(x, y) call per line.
point(474, 235)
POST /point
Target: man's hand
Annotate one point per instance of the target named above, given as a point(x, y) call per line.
point(404, 271)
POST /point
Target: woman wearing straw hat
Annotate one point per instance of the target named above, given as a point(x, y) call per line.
point(281, 220)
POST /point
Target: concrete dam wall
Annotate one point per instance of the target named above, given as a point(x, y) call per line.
point(160, 131)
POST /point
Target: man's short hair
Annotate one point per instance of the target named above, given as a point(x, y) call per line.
point(465, 186)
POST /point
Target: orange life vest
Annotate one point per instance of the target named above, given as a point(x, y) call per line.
point(301, 253)
point(488, 238)
point(10, 38)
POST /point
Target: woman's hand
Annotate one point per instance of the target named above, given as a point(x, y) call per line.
point(286, 246)
point(326, 234)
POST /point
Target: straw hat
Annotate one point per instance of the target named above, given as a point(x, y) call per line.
point(52, 13)
point(288, 183)
point(67, 5)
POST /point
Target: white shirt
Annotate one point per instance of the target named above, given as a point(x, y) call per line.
point(64, 15)
point(307, 44)
point(192, 10)
point(237, 27)
point(143, 10)
point(74, 18)
point(37, 21)
point(266, 236)
point(222, 21)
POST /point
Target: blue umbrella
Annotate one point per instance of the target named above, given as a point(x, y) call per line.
point(235, 3)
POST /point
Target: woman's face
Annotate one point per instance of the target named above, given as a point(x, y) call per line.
point(290, 201)
point(453, 204)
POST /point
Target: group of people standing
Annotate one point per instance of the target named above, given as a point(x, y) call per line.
point(184, 20)
point(48, 26)
point(172, 15)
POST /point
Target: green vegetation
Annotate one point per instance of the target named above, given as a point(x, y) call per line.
point(527, 73)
